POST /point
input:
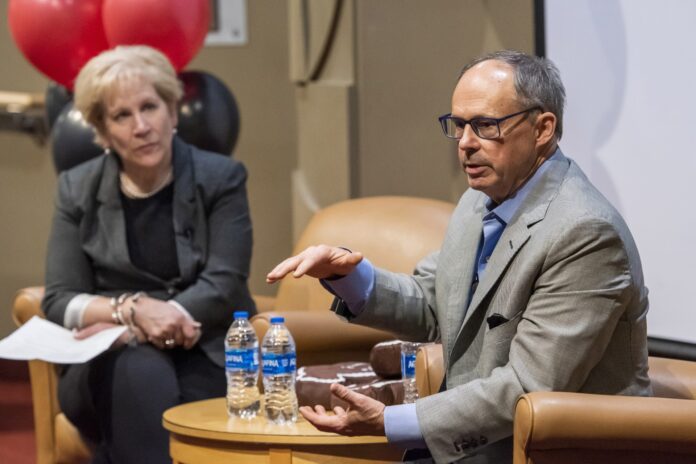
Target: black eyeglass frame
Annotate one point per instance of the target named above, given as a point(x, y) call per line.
point(474, 122)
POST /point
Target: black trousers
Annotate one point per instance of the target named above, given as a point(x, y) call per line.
point(116, 400)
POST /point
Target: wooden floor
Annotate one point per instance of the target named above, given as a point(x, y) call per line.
point(16, 415)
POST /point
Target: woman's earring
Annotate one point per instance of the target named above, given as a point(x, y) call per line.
point(174, 131)
point(107, 151)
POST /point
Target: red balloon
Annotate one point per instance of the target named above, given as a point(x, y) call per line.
point(58, 36)
point(175, 27)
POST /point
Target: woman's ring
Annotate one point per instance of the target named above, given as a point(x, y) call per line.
point(169, 343)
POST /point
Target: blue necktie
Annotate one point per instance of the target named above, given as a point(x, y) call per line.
point(493, 228)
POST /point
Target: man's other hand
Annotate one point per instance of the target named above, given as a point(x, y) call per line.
point(364, 415)
point(319, 261)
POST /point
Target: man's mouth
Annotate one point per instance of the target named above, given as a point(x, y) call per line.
point(474, 170)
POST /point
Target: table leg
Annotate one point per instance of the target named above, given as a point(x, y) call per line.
point(280, 456)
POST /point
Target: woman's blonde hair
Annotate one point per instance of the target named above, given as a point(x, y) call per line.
point(101, 74)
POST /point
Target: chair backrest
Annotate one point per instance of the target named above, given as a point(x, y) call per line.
point(393, 232)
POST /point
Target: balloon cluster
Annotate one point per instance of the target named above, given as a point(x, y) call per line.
point(59, 36)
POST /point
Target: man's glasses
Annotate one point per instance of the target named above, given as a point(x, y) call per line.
point(486, 128)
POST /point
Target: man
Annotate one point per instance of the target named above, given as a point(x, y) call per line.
point(538, 284)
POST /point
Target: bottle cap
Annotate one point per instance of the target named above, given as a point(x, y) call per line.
point(241, 314)
point(277, 320)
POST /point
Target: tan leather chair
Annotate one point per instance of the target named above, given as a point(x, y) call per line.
point(575, 428)
point(57, 440)
point(393, 232)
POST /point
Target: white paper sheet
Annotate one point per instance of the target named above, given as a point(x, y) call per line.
point(44, 340)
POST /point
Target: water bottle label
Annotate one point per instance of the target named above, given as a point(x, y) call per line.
point(279, 363)
point(242, 360)
point(408, 365)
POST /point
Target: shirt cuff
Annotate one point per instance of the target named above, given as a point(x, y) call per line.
point(401, 426)
point(355, 288)
point(72, 319)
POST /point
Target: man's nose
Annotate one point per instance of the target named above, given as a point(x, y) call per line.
point(469, 141)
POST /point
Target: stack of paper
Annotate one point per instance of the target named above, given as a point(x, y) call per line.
point(44, 340)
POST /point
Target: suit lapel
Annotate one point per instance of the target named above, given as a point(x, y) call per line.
point(517, 233)
point(461, 257)
point(184, 210)
point(112, 238)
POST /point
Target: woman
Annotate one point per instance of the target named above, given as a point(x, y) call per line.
point(154, 235)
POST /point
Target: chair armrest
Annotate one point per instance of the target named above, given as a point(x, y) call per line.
point(322, 338)
point(578, 427)
point(27, 304)
point(430, 369)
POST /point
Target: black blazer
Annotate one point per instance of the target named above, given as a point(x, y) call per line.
point(88, 250)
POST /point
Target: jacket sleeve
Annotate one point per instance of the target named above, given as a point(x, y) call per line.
point(68, 269)
point(404, 304)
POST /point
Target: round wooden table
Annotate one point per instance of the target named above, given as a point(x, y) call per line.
point(201, 432)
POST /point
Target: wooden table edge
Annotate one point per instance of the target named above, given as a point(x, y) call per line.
point(321, 438)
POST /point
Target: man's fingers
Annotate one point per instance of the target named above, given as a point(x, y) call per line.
point(354, 258)
point(282, 269)
point(322, 421)
point(347, 395)
point(306, 264)
point(319, 261)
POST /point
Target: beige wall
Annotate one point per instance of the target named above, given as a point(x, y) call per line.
point(27, 183)
point(372, 118)
point(408, 56)
point(368, 126)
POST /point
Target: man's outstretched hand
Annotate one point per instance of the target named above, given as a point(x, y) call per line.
point(319, 261)
point(364, 416)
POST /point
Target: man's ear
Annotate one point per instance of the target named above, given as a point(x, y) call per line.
point(545, 127)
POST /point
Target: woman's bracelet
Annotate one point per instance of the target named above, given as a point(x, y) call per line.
point(116, 312)
point(134, 300)
point(113, 303)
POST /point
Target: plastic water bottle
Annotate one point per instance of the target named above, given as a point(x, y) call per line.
point(408, 371)
point(242, 368)
point(279, 369)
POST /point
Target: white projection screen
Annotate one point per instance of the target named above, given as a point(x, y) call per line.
point(629, 69)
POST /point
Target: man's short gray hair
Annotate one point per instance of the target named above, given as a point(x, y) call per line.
point(537, 82)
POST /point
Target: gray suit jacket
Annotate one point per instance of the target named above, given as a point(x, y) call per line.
point(88, 250)
point(566, 285)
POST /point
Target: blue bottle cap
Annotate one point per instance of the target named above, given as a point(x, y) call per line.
point(241, 314)
point(277, 320)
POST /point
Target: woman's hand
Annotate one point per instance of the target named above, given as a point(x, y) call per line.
point(125, 337)
point(163, 325)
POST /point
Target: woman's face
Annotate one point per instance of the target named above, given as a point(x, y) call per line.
point(139, 125)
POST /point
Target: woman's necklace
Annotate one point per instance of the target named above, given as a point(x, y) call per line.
point(132, 191)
